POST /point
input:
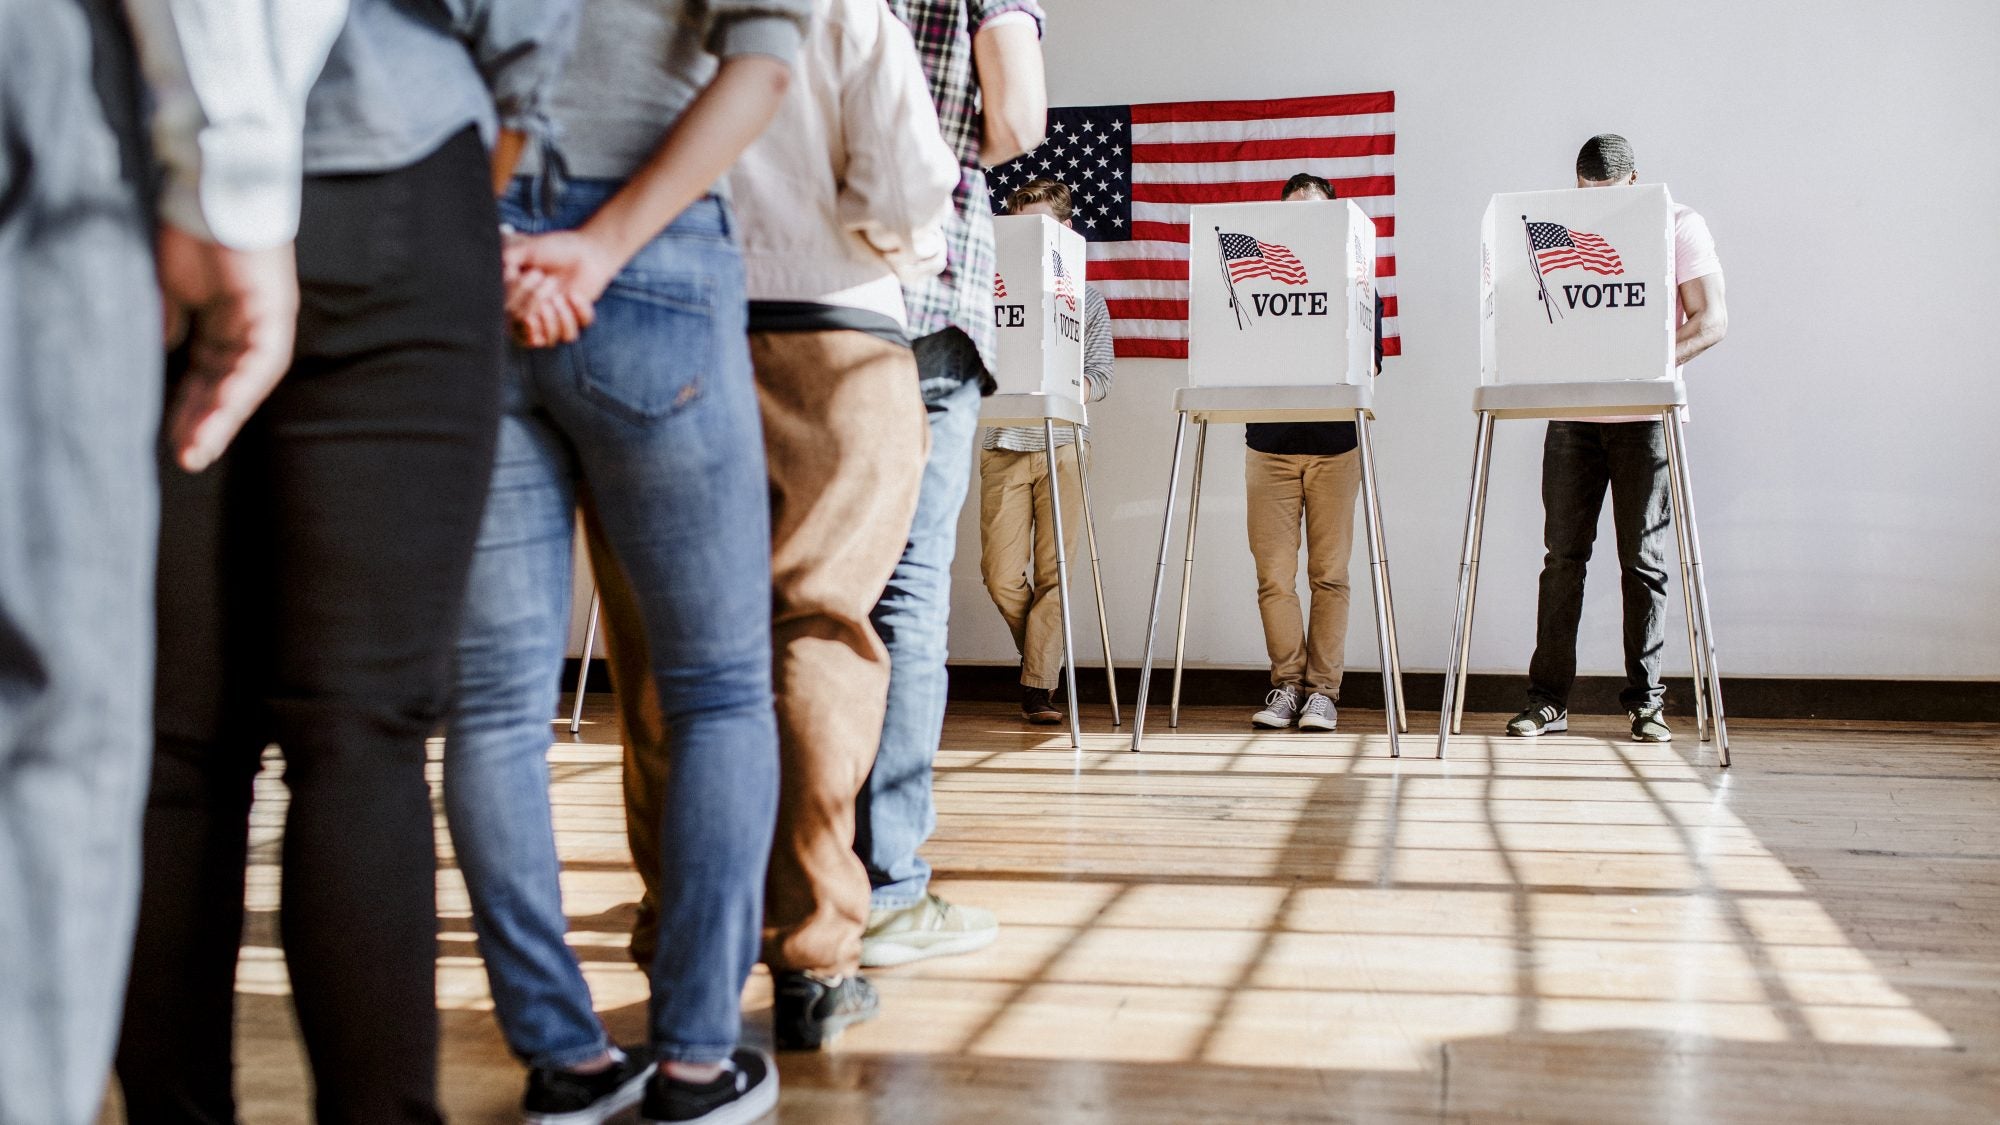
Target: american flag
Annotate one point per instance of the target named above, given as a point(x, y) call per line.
point(1133, 170)
point(1558, 247)
point(999, 287)
point(1065, 282)
point(1253, 257)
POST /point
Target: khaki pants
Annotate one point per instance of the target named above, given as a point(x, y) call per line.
point(1013, 506)
point(1279, 489)
point(846, 439)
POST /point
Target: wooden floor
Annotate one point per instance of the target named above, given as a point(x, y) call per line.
point(1299, 928)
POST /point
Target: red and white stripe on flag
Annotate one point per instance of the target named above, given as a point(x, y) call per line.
point(1233, 152)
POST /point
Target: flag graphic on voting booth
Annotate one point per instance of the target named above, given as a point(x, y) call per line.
point(1281, 294)
point(1577, 286)
point(1037, 307)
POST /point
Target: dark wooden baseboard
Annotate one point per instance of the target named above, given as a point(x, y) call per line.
point(1749, 697)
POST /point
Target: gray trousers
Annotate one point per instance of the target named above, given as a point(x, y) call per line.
point(79, 415)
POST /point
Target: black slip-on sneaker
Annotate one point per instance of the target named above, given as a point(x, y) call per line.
point(564, 1097)
point(744, 1092)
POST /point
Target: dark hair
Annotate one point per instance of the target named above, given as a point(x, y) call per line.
point(1606, 156)
point(1043, 190)
point(1304, 180)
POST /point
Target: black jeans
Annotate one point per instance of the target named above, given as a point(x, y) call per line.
point(1579, 460)
point(310, 591)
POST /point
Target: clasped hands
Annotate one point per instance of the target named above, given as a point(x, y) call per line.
point(553, 283)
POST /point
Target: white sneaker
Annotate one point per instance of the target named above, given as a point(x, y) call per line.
point(930, 927)
point(1318, 713)
point(1281, 709)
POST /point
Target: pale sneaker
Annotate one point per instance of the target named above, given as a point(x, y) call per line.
point(931, 927)
point(1281, 709)
point(1318, 713)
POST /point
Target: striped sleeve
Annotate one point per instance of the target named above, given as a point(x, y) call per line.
point(1098, 353)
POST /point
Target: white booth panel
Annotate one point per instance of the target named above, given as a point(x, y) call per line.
point(1577, 286)
point(1281, 294)
point(1038, 307)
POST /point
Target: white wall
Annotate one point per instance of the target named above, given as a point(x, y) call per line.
point(1844, 153)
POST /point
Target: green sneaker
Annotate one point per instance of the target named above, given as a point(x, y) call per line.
point(1536, 721)
point(929, 928)
point(1647, 726)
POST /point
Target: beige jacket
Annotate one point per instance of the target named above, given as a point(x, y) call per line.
point(848, 190)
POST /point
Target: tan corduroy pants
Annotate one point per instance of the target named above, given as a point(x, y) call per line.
point(1017, 551)
point(846, 439)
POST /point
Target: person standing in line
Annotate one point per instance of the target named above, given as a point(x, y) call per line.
point(632, 396)
point(83, 269)
point(1310, 470)
point(1017, 549)
point(311, 581)
point(1583, 459)
point(846, 191)
point(984, 63)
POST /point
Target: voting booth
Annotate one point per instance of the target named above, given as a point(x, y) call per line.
point(1039, 316)
point(1281, 328)
point(1281, 294)
point(1577, 286)
point(1578, 308)
point(1038, 307)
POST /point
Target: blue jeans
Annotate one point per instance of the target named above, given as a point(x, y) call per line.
point(80, 381)
point(895, 814)
point(651, 419)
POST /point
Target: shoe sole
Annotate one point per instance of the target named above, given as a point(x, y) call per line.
point(751, 1107)
point(1646, 738)
point(1044, 718)
point(1264, 720)
point(1308, 722)
point(620, 1100)
point(887, 954)
point(1557, 727)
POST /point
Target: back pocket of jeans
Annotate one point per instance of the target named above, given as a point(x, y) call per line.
point(652, 347)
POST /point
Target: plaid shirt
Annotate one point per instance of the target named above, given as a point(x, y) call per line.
point(962, 296)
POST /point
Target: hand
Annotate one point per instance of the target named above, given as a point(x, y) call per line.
point(554, 281)
point(539, 314)
point(242, 309)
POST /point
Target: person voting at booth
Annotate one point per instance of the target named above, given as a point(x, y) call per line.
point(1583, 459)
point(1017, 550)
point(1295, 470)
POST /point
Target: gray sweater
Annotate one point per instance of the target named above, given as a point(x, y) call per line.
point(403, 78)
point(639, 63)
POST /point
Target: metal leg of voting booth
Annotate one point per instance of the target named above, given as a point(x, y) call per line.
point(1461, 624)
point(1687, 582)
point(1187, 573)
point(583, 666)
point(1677, 434)
point(1378, 569)
point(1472, 593)
point(1159, 585)
point(1366, 428)
point(1062, 580)
point(1096, 573)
